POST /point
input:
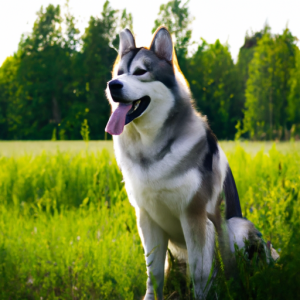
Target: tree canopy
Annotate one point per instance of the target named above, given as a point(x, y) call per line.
point(55, 81)
point(268, 88)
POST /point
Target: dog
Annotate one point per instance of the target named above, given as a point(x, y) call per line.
point(173, 167)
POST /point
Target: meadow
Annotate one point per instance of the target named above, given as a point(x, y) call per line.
point(67, 230)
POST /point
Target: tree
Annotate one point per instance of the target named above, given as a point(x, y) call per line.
point(56, 83)
point(212, 78)
point(41, 73)
point(294, 96)
point(76, 109)
point(242, 68)
point(98, 57)
point(246, 54)
point(9, 89)
point(267, 87)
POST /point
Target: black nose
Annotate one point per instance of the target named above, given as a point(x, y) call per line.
point(115, 85)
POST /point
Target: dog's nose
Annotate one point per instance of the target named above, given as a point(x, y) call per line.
point(115, 85)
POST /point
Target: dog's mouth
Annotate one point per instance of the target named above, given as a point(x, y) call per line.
point(137, 109)
point(126, 113)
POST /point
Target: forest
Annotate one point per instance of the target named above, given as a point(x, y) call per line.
point(54, 84)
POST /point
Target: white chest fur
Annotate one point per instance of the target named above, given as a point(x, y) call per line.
point(145, 190)
point(163, 198)
point(158, 189)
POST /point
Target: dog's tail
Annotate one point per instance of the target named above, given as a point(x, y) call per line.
point(233, 206)
point(241, 230)
point(238, 228)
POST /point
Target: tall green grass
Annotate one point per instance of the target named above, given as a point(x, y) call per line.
point(87, 253)
point(67, 230)
point(64, 179)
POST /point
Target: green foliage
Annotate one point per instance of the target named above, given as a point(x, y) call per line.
point(9, 89)
point(57, 77)
point(212, 78)
point(64, 179)
point(242, 68)
point(93, 252)
point(246, 54)
point(42, 58)
point(97, 60)
point(294, 96)
point(267, 89)
point(53, 135)
point(85, 130)
point(68, 230)
point(50, 84)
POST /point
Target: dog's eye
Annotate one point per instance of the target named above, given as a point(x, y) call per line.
point(139, 72)
point(120, 72)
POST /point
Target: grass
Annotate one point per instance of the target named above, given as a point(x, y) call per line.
point(88, 253)
point(65, 227)
point(20, 148)
point(67, 230)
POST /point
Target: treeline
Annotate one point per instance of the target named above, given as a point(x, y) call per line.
point(57, 78)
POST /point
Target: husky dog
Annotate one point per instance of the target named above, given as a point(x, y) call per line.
point(173, 168)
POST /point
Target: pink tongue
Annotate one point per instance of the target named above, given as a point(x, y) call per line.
point(116, 121)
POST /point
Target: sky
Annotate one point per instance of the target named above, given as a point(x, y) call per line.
point(226, 20)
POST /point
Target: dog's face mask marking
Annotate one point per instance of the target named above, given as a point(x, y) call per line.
point(143, 81)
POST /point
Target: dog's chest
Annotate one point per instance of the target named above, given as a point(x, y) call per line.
point(158, 190)
point(164, 198)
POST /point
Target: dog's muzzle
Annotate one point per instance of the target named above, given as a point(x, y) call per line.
point(127, 111)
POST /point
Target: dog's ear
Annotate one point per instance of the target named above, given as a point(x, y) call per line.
point(127, 42)
point(162, 44)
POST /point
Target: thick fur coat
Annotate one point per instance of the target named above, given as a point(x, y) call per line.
point(173, 168)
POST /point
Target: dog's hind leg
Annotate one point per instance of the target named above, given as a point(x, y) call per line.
point(155, 242)
point(199, 235)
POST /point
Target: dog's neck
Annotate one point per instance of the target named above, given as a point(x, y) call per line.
point(144, 131)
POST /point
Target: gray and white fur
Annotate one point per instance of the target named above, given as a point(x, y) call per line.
point(173, 168)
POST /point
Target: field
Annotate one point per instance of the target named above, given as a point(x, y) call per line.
point(67, 230)
point(17, 148)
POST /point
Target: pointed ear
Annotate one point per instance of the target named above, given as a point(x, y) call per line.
point(162, 44)
point(127, 42)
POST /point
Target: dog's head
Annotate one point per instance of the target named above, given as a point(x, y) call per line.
point(143, 80)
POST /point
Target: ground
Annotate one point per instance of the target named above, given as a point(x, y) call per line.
point(67, 230)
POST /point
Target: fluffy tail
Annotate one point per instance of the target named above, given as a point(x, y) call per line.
point(239, 229)
point(233, 206)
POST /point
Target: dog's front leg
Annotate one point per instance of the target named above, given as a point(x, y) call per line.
point(155, 242)
point(199, 236)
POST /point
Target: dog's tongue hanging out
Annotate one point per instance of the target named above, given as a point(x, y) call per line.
point(117, 120)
